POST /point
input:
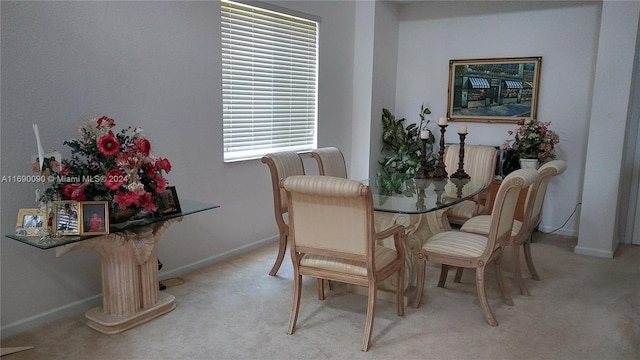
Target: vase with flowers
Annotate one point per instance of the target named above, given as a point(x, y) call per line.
point(114, 166)
point(534, 141)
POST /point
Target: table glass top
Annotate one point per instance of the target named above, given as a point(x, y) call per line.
point(417, 196)
point(187, 206)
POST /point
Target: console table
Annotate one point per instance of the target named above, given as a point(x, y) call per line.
point(129, 263)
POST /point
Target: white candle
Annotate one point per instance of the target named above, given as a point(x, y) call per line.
point(424, 134)
point(462, 129)
point(442, 121)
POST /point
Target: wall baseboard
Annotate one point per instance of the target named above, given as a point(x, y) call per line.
point(593, 252)
point(80, 306)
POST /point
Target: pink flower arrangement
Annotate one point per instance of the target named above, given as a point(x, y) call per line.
point(533, 140)
point(117, 167)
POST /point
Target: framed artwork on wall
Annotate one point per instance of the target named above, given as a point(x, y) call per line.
point(501, 90)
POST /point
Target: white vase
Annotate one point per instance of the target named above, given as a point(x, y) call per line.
point(529, 164)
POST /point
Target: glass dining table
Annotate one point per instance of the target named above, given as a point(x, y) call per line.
point(421, 206)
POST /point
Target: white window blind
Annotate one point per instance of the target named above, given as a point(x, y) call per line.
point(269, 82)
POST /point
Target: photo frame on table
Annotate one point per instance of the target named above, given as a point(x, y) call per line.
point(95, 217)
point(67, 217)
point(170, 203)
point(495, 90)
point(31, 222)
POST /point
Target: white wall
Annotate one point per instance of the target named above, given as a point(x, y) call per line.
point(564, 34)
point(150, 64)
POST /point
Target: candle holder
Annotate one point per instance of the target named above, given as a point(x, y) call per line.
point(459, 183)
point(460, 174)
point(440, 172)
point(439, 186)
point(423, 172)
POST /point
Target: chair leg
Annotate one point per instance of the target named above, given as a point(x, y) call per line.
point(506, 297)
point(482, 297)
point(527, 257)
point(422, 264)
point(281, 251)
point(320, 289)
point(517, 273)
point(444, 271)
point(371, 309)
point(296, 303)
point(400, 292)
point(458, 278)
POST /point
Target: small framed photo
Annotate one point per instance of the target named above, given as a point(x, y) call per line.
point(95, 217)
point(170, 204)
point(66, 217)
point(31, 222)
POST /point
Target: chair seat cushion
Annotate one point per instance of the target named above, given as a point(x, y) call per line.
point(480, 225)
point(456, 243)
point(464, 210)
point(383, 257)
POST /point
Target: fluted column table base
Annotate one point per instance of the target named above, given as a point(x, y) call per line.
point(111, 324)
point(130, 284)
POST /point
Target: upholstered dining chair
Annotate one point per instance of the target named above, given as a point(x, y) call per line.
point(330, 161)
point(523, 231)
point(333, 237)
point(480, 164)
point(281, 165)
point(462, 249)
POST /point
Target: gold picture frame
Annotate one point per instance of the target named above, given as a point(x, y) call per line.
point(95, 217)
point(31, 222)
point(67, 217)
point(495, 90)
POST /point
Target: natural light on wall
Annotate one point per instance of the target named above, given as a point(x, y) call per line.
point(269, 82)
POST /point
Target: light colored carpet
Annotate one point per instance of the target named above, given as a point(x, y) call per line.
point(584, 308)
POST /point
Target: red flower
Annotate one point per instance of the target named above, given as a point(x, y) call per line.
point(105, 121)
point(163, 164)
point(149, 170)
point(159, 184)
point(114, 179)
point(146, 201)
point(108, 144)
point(126, 199)
point(64, 170)
point(74, 191)
point(143, 146)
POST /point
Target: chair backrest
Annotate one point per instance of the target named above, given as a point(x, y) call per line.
point(505, 207)
point(546, 171)
point(479, 161)
point(330, 216)
point(282, 165)
point(330, 161)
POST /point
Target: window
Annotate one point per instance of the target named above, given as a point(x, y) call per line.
point(269, 81)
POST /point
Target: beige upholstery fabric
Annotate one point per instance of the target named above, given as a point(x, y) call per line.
point(479, 163)
point(333, 237)
point(480, 225)
point(460, 249)
point(383, 257)
point(330, 162)
point(521, 232)
point(281, 165)
point(457, 244)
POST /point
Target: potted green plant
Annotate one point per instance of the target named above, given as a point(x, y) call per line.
point(401, 148)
